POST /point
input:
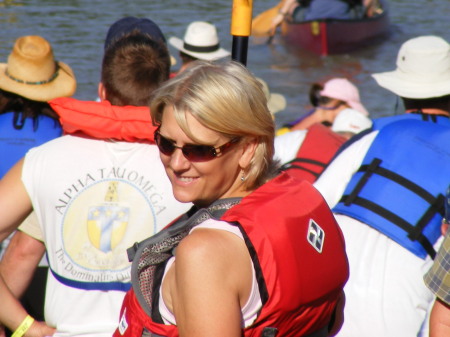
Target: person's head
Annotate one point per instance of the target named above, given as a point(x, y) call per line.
point(275, 102)
point(340, 92)
point(422, 76)
point(201, 42)
point(31, 77)
point(130, 24)
point(133, 66)
point(214, 104)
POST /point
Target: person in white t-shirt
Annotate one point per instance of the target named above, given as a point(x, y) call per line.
point(95, 192)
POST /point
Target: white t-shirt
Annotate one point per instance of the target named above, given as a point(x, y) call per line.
point(93, 200)
point(287, 145)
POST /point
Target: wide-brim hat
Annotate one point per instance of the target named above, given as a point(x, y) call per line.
point(423, 69)
point(33, 73)
point(275, 102)
point(201, 42)
point(129, 24)
point(343, 90)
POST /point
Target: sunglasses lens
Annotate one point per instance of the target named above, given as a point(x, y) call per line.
point(192, 152)
point(198, 152)
point(164, 145)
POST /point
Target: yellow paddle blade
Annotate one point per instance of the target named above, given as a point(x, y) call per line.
point(261, 23)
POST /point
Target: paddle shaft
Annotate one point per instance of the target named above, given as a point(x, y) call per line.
point(241, 25)
point(239, 49)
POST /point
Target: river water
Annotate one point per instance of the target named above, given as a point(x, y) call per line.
point(77, 28)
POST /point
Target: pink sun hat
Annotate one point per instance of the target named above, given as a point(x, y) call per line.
point(342, 89)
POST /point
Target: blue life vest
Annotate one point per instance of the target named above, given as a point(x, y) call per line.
point(399, 188)
point(378, 123)
point(15, 143)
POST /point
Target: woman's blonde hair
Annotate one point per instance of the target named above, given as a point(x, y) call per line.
point(228, 99)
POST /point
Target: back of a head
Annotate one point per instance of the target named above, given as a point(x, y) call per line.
point(225, 98)
point(133, 67)
point(129, 24)
point(342, 89)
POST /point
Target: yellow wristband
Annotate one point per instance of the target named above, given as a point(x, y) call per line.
point(23, 327)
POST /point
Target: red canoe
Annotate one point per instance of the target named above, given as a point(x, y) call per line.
point(331, 36)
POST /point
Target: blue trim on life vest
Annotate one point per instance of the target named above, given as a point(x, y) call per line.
point(381, 122)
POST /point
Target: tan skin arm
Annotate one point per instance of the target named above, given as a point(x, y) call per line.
point(19, 263)
point(286, 9)
point(440, 319)
point(14, 209)
point(17, 205)
point(208, 284)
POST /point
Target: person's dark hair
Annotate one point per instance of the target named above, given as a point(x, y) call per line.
point(187, 58)
point(133, 67)
point(314, 94)
point(24, 108)
point(442, 103)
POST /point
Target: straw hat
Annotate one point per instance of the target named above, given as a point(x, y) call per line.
point(350, 120)
point(343, 90)
point(33, 73)
point(200, 41)
point(275, 102)
point(423, 69)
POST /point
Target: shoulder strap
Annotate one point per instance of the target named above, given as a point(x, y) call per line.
point(156, 250)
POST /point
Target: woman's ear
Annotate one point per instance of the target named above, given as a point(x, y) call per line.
point(249, 149)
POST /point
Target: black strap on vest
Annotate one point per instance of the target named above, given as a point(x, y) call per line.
point(292, 164)
point(151, 255)
point(428, 117)
point(415, 232)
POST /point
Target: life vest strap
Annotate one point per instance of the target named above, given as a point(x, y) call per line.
point(369, 170)
point(396, 220)
point(292, 165)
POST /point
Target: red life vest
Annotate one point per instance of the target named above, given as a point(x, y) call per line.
point(101, 120)
point(300, 262)
point(315, 153)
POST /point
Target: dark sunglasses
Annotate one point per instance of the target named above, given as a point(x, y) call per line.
point(192, 152)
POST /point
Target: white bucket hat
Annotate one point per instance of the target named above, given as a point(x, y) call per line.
point(275, 102)
point(200, 41)
point(350, 120)
point(423, 69)
point(343, 90)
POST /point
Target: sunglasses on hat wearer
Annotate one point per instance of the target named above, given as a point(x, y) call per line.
point(192, 152)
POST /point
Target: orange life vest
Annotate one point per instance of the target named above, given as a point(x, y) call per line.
point(101, 120)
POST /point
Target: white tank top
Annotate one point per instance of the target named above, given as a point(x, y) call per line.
point(252, 306)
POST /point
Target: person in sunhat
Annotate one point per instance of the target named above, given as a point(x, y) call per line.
point(329, 100)
point(200, 42)
point(28, 79)
point(387, 192)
